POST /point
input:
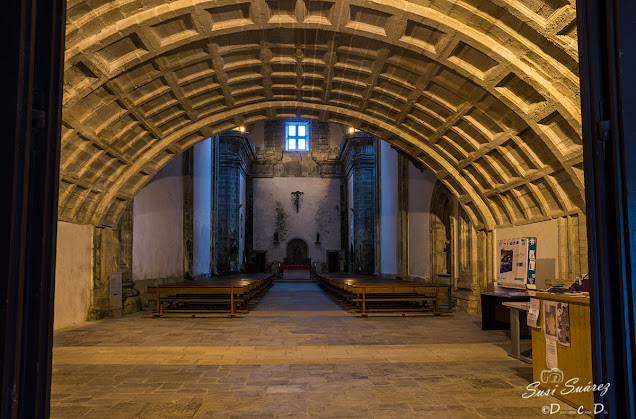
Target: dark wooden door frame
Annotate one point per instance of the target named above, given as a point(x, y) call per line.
point(33, 53)
point(607, 56)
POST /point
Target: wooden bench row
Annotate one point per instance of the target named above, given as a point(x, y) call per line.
point(226, 296)
point(367, 294)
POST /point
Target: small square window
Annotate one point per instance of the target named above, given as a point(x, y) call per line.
point(296, 138)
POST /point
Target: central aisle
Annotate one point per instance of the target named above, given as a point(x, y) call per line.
point(301, 298)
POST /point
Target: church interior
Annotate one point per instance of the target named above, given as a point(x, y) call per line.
point(321, 208)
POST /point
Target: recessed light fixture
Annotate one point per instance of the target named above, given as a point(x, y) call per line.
point(242, 129)
point(351, 130)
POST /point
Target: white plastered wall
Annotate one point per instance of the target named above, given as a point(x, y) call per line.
point(421, 184)
point(388, 209)
point(201, 205)
point(72, 274)
point(158, 225)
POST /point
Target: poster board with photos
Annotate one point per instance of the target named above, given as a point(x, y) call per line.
point(517, 263)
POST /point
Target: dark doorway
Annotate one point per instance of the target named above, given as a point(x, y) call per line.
point(333, 261)
point(441, 232)
point(297, 252)
point(261, 257)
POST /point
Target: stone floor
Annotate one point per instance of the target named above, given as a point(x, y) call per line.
point(297, 354)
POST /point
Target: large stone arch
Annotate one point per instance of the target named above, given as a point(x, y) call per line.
point(485, 96)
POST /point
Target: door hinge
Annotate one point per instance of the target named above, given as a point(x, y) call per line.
point(38, 118)
point(603, 130)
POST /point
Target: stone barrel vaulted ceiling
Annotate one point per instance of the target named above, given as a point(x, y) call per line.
point(484, 93)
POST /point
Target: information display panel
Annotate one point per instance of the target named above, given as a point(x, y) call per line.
point(517, 263)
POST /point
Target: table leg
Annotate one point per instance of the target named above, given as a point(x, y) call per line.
point(515, 333)
point(436, 306)
point(364, 302)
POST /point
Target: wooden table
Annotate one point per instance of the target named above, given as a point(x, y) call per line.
point(229, 295)
point(494, 316)
point(367, 294)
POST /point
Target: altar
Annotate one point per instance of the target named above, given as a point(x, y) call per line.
point(291, 272)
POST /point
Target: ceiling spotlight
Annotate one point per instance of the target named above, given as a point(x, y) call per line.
point(351, 130)
point(242, 129)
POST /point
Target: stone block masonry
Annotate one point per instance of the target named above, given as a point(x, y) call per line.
point(236, 151)
point(276, 173)
point(358, 157)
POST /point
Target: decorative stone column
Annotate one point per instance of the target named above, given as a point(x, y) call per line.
point(113, 252)
point(358, 157)
point(131, 302)
point(235, 152)
point(249, 223)
point(187, 171)
point(105, 256)
point(214, 205)
point(403, 216)
point(572, 246)
point(378, 208)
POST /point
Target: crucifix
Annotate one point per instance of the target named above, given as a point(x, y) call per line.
point(297, 195)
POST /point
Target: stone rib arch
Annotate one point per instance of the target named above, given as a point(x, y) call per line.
point(480, 215)
point(462, 102)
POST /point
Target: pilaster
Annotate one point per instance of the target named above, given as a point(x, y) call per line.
point(403, 217)
point(187, 170)
point(358, 157)
point(235, 152)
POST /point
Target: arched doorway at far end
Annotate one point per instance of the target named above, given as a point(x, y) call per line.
point(297, 253)
point(441, 232)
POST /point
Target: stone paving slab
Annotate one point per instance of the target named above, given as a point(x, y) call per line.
point(289, 365)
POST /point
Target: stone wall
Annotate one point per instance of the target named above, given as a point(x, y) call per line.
point(276, 173)
point(272, 160)
point(319, 212)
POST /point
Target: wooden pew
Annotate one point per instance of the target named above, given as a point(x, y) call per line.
point(367, 294)
point(227, 296)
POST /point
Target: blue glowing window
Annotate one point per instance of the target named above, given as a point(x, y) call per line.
point(296, 136)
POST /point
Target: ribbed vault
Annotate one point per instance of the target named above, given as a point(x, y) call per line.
point(484, 93)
